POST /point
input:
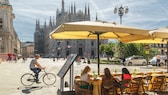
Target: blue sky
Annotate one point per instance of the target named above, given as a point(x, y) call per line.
point(145, 14)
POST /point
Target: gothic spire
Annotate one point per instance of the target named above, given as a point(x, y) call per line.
point(85, 10)
point(53, 21)
point(5, 2)
point(96, 17)
point(71, 8)
point(88, 10)
point(74, 8)
point(45, 25)
point(62, 10)
point(37, 25)
point(50, 23)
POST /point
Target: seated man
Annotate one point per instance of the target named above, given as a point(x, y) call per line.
point(36, 67)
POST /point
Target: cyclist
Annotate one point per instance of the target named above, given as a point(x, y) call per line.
point(36, 67)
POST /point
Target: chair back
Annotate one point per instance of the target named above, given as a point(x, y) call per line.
point(109, 87)
point(161, 72)
point(158, 82)
point(135, 85)
point(140, 73)
point(77, 77)
point(108, 83)
point(82, 88)
point(125, 83)
point(82, 83)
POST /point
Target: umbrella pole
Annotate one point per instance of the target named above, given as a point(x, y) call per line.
point(167, 56)
point(98, 57)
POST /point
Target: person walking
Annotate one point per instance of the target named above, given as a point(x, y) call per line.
point(158, 60)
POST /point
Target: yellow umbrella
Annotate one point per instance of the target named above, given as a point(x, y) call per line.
point(163, 34)
point(150, 40)
point(88, 29)
point(97, 30)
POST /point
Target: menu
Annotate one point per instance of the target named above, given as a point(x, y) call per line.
point(67, 65)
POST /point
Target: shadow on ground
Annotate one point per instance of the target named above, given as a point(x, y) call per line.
point(29, 89)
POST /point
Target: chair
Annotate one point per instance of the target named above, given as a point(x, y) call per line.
point(157, 83)
point(125, 84)
point(166, 80)
point(140, 73)
point(109, 87)
point(160, 72)
point(77, 77)
point(82, 88)
point(147, 80)
point(135, 85)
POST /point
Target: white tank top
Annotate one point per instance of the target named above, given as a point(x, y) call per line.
point(84, 77)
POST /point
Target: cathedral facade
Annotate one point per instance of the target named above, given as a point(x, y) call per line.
point(9, 41)
point(62, 48)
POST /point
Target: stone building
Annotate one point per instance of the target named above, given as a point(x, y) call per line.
point(9, 41)
point(27, 49)
point(62, 48)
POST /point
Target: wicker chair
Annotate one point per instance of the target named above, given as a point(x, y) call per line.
point(147, 80)
point(125, 84)
point(157, 83)
point(135, 85)
point(109, 87)
point(82, 88)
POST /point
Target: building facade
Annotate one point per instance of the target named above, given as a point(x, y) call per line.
point(62, 48)
point(9, 41)
point(27, 49)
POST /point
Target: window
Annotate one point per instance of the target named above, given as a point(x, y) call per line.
point(67, 42)
point(58, 43)
point(1, 23)
point(92, 43)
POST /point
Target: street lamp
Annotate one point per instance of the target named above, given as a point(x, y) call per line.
point(121, 11)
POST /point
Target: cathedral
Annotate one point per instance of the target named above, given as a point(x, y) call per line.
point(62, 48)
point(9, 41)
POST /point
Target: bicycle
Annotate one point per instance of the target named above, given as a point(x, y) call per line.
point(28, 79)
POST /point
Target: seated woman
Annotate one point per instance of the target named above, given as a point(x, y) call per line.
point(85, 74)
point(126, 78)
point(109, 84)
point(125, 74)
point(86, 78)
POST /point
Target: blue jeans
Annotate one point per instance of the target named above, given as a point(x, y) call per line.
point(36, 71)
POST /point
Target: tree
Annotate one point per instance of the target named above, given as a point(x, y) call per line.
point(108, 49)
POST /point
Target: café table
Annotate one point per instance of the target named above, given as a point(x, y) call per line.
point(96, 85)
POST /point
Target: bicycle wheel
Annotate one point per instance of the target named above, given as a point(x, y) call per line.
point(49, 78)
point(27, 79)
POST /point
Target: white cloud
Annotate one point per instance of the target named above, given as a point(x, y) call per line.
point(146, 14)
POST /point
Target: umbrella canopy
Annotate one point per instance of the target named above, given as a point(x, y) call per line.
point(149, 40)
point(163, 34)
point(97, 30)
point(160, 32)
point(88, 29)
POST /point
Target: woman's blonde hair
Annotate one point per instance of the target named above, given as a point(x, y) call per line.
point(86, 70)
